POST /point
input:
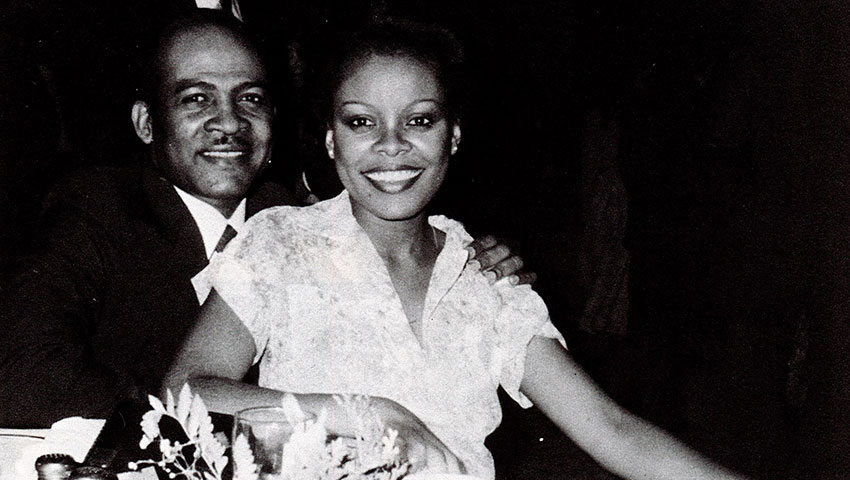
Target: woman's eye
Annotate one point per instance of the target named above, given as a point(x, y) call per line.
point(420, 122)
point(360, 122)
point(254, 98)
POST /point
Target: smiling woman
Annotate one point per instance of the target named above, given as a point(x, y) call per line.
point(391, 137)
point(367, 294)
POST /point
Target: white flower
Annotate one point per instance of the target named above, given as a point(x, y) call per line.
point(243, 460)
point(191, 413)
point(150, 426)
point(309, 454)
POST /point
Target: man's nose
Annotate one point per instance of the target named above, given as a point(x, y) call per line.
point(226, 119)
point(392, 142)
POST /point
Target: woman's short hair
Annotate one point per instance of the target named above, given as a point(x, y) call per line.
point(432, 45)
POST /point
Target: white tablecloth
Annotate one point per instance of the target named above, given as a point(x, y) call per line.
point(19, 448)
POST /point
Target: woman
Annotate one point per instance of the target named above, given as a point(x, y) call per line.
point(366, 294)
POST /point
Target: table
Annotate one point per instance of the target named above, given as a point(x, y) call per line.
point(75, 436)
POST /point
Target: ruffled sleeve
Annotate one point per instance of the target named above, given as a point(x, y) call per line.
point(246, 272)
point(522, 316)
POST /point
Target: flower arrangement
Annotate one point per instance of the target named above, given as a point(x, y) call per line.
point(311, 453)
point(206, 461)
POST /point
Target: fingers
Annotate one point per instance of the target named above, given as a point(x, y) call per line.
point(488, 259)
point(436, 460)
point(429, 455)
point(523, 278)
point(481, 244)
point(510, 267)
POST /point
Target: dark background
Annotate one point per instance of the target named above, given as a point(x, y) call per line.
point(694, 152)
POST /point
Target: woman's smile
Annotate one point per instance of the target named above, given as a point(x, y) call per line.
point(393, 180)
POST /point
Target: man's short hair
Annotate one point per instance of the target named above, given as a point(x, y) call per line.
point(150, 67)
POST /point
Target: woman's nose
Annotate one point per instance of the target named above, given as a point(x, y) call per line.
point(392, 142)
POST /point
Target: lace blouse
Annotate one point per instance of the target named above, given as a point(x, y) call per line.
point(314, 293)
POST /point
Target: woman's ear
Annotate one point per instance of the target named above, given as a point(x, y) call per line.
point(329, 143)
point(455, 137)
point(141, 116)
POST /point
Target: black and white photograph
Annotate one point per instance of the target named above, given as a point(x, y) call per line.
point(444, 240)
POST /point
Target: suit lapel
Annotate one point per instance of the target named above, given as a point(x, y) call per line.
point(174, 221)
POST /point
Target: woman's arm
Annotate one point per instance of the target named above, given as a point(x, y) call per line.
point(622, 442)
point(220, 349)
point(214, 358)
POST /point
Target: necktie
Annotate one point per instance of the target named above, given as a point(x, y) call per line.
point(226, 237)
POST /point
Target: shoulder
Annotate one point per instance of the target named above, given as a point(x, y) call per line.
point(269, 194)
point(317, 219)
point(453, 229)
point(101, 194)
point(98, 186)
point(282, 226)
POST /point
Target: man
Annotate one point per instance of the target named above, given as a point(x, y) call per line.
point(97, 313)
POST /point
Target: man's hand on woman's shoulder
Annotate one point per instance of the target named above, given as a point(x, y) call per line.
point(495, 260)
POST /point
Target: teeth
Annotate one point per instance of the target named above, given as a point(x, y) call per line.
point(392, 175)
point(227, 154)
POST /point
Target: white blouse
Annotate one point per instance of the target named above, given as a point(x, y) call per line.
point(320, 304)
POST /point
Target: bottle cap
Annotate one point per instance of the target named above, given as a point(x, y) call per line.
point(92, 473)
point(54, 466)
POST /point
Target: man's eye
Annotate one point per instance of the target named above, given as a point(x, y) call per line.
point(420, 122)
point(194, 98)
point(360, 122)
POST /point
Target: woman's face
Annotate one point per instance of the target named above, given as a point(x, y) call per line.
point(391, 137)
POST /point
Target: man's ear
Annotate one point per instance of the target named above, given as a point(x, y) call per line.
point(329, 143)
point(455, 137)
point(141, 117)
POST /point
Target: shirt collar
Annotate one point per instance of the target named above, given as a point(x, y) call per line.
point(210, 221)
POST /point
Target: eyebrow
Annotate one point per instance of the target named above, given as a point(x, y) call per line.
point(193, 83)
point(187, 84)
point(429, 100)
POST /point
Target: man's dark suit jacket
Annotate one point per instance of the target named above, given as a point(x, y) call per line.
point(97, 313)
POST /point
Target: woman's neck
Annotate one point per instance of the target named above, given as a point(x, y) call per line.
point(409, 250)
point(399, 239)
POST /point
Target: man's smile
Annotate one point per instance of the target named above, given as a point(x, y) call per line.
point(224, 154)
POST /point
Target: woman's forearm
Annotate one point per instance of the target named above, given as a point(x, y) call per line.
point(224, 395)
point(639, 449)
point(622, 442)
point(228, 396)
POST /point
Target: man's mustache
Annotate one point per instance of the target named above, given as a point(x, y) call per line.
point(238, 141)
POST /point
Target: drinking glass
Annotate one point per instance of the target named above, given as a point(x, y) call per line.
point(267, 430)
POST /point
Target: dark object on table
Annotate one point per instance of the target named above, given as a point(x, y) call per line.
point(54, 466)
point(92, 473)
point(118, 442)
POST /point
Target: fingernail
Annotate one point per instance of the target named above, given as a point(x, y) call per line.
point(474, 264)
point(470, 251)
point(513, 279)
point(491, 276)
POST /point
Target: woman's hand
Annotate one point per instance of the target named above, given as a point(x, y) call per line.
point(417, 444)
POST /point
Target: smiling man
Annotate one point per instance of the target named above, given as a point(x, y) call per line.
point(211, 116)
point(99, 309)
point(96, 313)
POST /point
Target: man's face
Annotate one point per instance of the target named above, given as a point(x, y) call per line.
point(212, 126)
